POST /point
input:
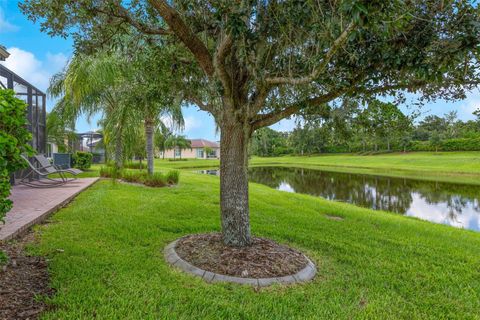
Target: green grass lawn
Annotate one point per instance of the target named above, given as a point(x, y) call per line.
point(106, 261)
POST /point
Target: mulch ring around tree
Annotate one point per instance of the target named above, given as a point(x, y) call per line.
point(24, 281)
point(263, 259)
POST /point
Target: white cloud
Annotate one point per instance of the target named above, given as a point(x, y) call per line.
point(191, 123)
point(469, 105)
point(285, 125)
point(35, 71)
point(56, 61)
point(6, 26)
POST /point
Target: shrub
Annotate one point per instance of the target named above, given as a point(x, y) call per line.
point(460, 144)
point(134, 176)
point(172, 176)
point(110, 163)
point(465, 144)
point(3, 258)
point(134, 165)
point(82, 160)
point(14, 138)
point(105, 172)
point(155, 180)
point(110, 172)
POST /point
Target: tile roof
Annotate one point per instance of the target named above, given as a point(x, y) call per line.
point(202, 143)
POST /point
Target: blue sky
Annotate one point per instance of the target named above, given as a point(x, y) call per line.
point(35, 56)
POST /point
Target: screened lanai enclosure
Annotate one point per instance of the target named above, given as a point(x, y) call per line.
point(35, 100)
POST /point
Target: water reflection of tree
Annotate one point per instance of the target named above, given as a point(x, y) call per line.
point(384, 193)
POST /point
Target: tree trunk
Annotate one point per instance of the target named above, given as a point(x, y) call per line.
point(149, 145)
point(118, 151)
point(234, 184)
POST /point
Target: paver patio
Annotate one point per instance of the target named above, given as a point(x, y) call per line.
point(32, 205)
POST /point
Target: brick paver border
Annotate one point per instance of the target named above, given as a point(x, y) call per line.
point(23, 216)
point(304, 275)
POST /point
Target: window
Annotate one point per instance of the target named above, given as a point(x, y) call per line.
point(200, 153)
point(212, 154)
point(178, 152)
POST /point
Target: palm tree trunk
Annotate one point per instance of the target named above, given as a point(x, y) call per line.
point(118, 150)
point(149, 145)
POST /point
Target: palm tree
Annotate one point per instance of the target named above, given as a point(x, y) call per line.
point(162, 133)
point(90, 85)
point(178, 142)
point(60, 132)
point(152, 91)
point(126, 87)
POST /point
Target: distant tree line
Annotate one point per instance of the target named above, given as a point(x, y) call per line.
point(375, 128)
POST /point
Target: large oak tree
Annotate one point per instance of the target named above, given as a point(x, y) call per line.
point(252, 63)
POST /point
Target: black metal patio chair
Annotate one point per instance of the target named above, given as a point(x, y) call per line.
point(44, 162)
point(38, 177)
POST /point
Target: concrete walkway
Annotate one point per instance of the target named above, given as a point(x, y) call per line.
point(33, 205)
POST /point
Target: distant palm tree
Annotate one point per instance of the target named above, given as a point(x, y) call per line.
point(162, 133)
point(178, 142)
point(152, 93)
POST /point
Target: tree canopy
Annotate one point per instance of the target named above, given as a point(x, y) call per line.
point(256, 53)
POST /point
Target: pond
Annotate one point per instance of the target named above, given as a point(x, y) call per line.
point(453, 204)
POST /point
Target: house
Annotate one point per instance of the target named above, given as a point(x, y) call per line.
point(199, 149)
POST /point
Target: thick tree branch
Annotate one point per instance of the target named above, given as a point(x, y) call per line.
point(199, 103)
point(337, 44)
point(223, 49)
point(258, 99)
point(263, 120)
point(123, 13)
point(185, 34)
point(268, 119)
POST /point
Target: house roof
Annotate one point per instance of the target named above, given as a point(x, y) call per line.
point(3, 53)
point(202, 143)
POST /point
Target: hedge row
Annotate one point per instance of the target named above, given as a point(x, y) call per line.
point(462, 144)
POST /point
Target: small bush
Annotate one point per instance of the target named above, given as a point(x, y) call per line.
point(105, 172)
point(82, 160)
point(134, 165)
point(110, 172)
point(172, 176)
point(132, 176)
point(3, 258)
point(155, 180)
point(178, 159)
point(110, 163)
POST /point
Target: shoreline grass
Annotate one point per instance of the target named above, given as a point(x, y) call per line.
point(455, 167)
